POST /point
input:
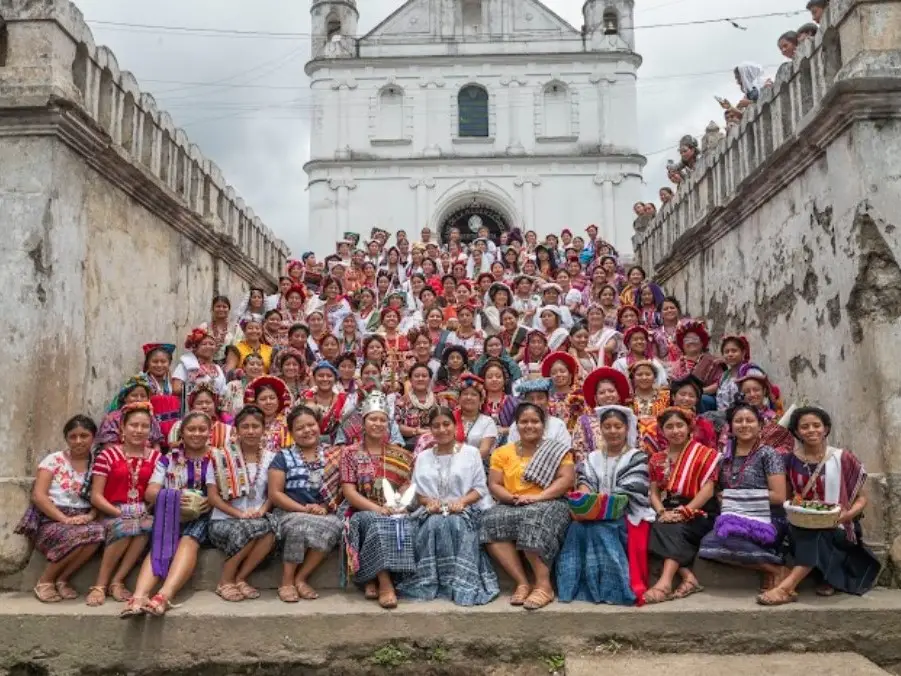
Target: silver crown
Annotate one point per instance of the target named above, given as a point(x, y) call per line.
point(375, 402)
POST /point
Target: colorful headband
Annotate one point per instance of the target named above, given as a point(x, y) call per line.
point(137, 406)
point(168, 348)
point(193, 339)
point(327, 365)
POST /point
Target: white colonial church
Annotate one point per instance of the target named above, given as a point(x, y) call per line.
point(455, 109)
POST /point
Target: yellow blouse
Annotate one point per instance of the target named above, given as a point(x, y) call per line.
point(265, 351)
point(507, 461)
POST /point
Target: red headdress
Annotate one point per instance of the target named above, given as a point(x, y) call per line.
point(277, 384)
point(620, 382)
point(568, 360)
point(627, 336)
point(192, 340)
point(694, 327)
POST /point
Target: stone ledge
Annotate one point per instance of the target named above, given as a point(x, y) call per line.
point(204, 631)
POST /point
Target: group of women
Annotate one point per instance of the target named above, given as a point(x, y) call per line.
point(559, 418)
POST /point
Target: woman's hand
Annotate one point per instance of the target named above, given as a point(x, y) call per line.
point(523, 500)
point(384, 511)
point(318, 510)
point(78, 520)
point(670, 516)
point(845, 517)
point(456, 507)
point(433, 506)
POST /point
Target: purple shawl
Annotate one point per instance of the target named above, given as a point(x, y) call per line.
point(166, 530)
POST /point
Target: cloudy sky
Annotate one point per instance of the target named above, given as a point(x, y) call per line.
point(244, 100)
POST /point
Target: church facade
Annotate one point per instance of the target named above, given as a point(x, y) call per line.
point(458, 113)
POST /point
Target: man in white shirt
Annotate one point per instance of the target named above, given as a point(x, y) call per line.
point(538, 392)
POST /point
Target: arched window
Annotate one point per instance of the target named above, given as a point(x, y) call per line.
point(611, 22)
point(332, 26)
point(473, 111)
point(557, 110)
point(391, 113)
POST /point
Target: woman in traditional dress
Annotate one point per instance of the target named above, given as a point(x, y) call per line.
point(474, 427)
point(120, 475)
point(375, 477)
point(271, 395)
point(686, 393)
point(253, 305)
point(366, 306)
point(605, 343)
point(253, 343)
point(421, 349)
point(292, 309)
point(157, 362)
point(578, 348)
point(438, 335)
point(608, 302)
point(136, 389)
point(346, 365)
point(612, 275)
point(454, 363)
point(536, 350)
point(736, 350)
point(512, 335)
point(350, 335)
point(452, 492)
point(318, 330)
point(204, 400)
point(329, 348)
point(692, 340)
point(600, 561)
point(500, 296)
point(252, 367)
point(396, 344)
point(604, 386)
point(493, 349)
point(626, 317)
point(334, 306)
point(528, 480)
point(566, 400)
point(755, 388)
point(413, 409)
point(665, 335)
point(219, 327)
point(638, 343)
point(466, 334)
point(241, 525)
point(500, 404)
point(196, 365)
point(817, 471)
point(552, 327)
point(304, 487)
point(651, 297)
point(683, 481)
point(274, 333)
point(631, 293)
point(291, 366)
point(176, 543)
point(60, 523)
point(649, 400)
point(751, 526)
point(330, 403)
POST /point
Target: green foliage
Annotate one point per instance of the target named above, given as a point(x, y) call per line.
point(555, 663)
point(391, 656)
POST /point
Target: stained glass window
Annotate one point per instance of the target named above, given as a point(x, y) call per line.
point(473, 111)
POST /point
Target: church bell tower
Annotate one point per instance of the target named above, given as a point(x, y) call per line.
point(609, 24)
point(334, 28)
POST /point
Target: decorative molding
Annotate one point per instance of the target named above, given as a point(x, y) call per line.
point(436, 82)
point(530, 179)
point(336, 183)
point(347, 83)
point(601, 178)
point(426, 181)
point(513, 80)
point(602, 77)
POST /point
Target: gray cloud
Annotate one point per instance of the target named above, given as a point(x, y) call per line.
point(252, 114)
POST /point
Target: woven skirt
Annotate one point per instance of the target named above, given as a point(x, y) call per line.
point(299, 532)
point(848, 566)
point(738, 551)
point(593, 565)
point(232, 535)
point(57, 540)
point(122, 527)
point(377, 543)
point(539, 527)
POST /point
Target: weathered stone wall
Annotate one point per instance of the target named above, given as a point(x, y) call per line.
point(117, 231)
point(788, 233)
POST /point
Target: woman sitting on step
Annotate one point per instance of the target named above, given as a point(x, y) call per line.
point(241, 525)
point(817, 471)
point(751, 527)
point(177, 491)
point(452, 493)
point(683, 479)
point(60, 523)
point(528, 479)
point(304, 487)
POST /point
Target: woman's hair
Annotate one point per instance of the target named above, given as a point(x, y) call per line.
point(132, 411)
point(525, 406)
point(252, 355)
point(152, 352)
point(326, 337)
point(742, 406)
point(298, 327)
point(189, 417)
point(644, 275)
point(270, 313)
point(674, 301)
point(510, 311)
point(441, 412)
point(419, 366)
point(671, 413)
point(799, 413)
point(443, 374)
point(77, 421)
point(346, 356)
point(614, 413)
point(265, 386)
point(299, 410)
point(250, 411)
point(220, 299)
point(578, 326)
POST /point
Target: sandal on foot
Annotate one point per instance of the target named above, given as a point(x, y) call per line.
point(656, 595)
point(158, 605)
point(388, 600)
point(538, 599)
point(247, 591)
point(520, 594)
point(306, 592)
point(46, 592)
point(134, 608)
point(776, 597)
point(371, 591)
point(67, 591)
point(825, 590)
point(686, 589)
point(229, 592)
point(120, 592)
point(96, 596)
point(288, 594)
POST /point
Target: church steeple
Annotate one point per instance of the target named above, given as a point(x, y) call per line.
point(609, 24)
point(334, 28)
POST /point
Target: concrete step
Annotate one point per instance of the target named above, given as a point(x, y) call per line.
point(268, 576)
point(341, 633)
point(782, 664)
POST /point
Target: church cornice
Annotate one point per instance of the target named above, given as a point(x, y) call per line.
point(434, 60)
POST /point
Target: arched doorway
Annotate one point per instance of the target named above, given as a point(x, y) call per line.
point(472, 215)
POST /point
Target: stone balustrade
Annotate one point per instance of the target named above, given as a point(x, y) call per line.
point(50, 60)
point(828, 79)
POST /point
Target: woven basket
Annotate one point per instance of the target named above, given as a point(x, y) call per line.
point(597, 506)
point(193, 505)
point(799, 517)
